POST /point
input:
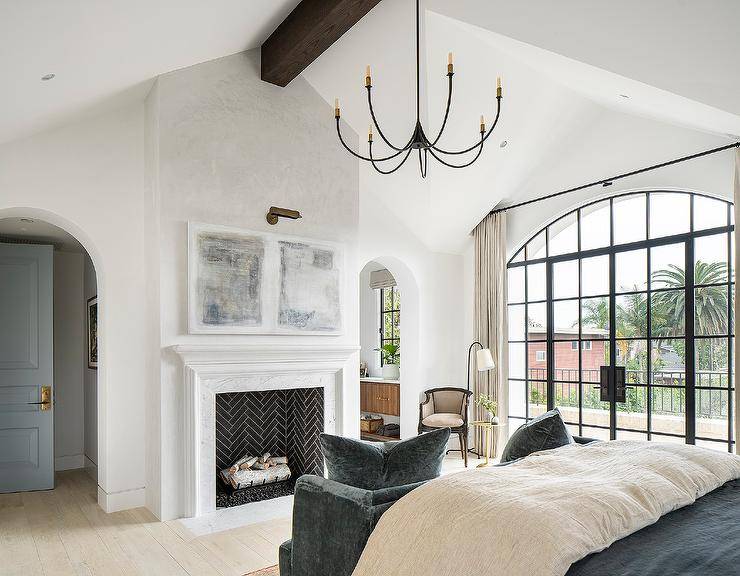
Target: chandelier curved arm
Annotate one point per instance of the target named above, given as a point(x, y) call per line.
point(377, 126)
point(480, 149)
point(360, 156)
point(392, 170)
point(447, 112)
point(485, 137)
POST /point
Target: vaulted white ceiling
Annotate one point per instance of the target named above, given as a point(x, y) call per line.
point(557, 96)
point(105, 54)
point(565, 66)
point(684, 47)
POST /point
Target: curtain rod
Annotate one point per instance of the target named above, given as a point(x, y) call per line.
point(609, 181)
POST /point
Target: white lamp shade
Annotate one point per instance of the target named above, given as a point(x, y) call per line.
point(484, 360)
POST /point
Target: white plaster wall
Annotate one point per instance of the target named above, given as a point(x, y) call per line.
point(90, 289)
point(229, 147)
point(370, 320)
point(153, 359)
point(432, 287)
point(88, 179)
point(69, 349)
point(633, 143)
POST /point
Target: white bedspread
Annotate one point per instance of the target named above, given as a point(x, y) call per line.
point(539, 515)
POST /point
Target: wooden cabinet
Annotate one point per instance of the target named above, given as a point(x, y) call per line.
point(379, 397)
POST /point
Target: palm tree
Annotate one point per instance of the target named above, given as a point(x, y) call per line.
point(632, 323)
point(632, 316)
point(710, 302)
point(595, 313)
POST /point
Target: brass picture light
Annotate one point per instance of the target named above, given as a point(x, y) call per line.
point(275, 213)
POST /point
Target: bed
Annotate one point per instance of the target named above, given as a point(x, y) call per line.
point(612, 508)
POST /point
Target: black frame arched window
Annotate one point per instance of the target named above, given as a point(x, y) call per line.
point(641, 283)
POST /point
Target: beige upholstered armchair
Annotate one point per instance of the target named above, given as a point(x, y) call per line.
point(446, 408)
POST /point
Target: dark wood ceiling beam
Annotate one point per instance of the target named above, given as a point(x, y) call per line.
point(306, 33)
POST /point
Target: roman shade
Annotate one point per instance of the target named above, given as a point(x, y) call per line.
point(381, 279)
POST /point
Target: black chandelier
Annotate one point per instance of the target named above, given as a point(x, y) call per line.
point(419, 140)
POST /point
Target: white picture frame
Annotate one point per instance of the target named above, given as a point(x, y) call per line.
point(244, 281)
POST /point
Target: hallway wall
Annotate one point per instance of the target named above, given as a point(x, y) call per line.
point(69, 350)
point(90, 289)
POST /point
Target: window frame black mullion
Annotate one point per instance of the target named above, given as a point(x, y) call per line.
point(690, 338)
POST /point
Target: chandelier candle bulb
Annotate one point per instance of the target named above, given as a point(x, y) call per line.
point(370, 133)
point(482, 123)
point(498, 87)
point(336, 108)
point(368, 78)
point(449, 63)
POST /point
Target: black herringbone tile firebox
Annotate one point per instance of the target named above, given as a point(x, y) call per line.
point(282, 422)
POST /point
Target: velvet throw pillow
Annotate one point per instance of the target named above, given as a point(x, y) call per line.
point(376, 465)
point(545, 432)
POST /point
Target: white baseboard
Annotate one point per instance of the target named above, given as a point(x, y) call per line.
point(69, 462)
point(91, 468)
point(124, 500)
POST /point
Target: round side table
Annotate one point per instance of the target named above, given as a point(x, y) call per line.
point(490, 437)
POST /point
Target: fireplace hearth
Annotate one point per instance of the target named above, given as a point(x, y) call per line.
point(280, 422)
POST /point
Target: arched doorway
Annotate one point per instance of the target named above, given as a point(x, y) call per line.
point(402, 324)
point(72, 376)
point(621, 315)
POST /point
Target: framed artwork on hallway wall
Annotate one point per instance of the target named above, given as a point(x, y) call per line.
point(249, 282)
point(92, 332)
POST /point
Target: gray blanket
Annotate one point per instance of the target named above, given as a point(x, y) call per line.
point(702, 539)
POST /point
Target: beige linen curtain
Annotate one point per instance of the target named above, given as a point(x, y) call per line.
point(737, 296)
point(490, 319)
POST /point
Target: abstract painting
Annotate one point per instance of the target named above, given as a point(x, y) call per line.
point(247, 282)
point(226, 280)
point(92, 332)
point(309, 288)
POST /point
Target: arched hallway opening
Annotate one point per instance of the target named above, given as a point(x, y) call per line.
point(49, 352)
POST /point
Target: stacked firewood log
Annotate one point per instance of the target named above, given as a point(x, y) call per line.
point(256, 470)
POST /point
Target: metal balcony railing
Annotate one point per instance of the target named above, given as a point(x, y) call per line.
point(711, 404)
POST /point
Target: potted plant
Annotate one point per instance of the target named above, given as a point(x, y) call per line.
point(390, 353)
point(489, 405)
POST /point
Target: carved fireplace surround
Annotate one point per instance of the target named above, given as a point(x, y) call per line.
point(214, 369)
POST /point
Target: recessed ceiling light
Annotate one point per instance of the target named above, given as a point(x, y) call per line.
point(503, 144)
point(27, 220)
point(46, 77)
point(624, 95)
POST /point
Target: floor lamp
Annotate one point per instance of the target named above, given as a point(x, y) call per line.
point(483, 362)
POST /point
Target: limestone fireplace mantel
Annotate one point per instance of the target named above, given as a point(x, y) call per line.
point(210, 369)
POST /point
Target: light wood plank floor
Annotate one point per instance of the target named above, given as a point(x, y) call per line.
point(64, 532)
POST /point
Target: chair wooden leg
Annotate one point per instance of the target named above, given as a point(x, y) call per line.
point(464, 446)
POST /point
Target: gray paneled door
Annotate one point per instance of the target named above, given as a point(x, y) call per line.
point(26, 368)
